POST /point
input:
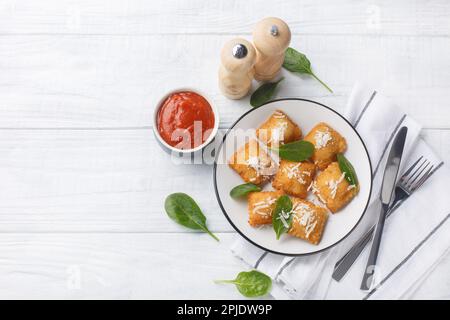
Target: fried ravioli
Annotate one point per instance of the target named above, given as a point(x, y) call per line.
point(294, 178)
point(331, 187)
point(327, 144)
point(278, 129)
point(252, 163)
point(261, 206)
point(308, 221)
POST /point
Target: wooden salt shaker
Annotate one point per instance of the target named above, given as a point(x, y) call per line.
point(271, 38)
point(236, 71)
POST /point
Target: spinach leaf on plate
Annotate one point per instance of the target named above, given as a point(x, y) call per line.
point(243, 190)
point(296, 151)
point(347, 168)
point(282, 216)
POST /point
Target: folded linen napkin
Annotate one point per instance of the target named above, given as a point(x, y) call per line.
point(415, 236)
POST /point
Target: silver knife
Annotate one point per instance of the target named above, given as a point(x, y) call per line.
point(387, 188)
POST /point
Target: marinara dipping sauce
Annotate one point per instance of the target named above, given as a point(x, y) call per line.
point(185, 120)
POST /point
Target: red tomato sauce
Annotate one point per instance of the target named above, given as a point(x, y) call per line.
point(185, 120)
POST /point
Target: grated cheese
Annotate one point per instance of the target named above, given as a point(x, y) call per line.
point(294, 173)
point(322, 138)
point(316, 191)
point(278, 115)
point(259, 165)
point(310, 228)
point(260, 207)
point(277, 134)
point(283, 217)
point(304, 215)
point(317, 202)
point(333, 185)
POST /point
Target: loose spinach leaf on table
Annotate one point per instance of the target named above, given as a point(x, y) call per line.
point(251, 283)
point(243, 189)
point(296, 151)
point(282, 216)
point(347, 168)
point(182, 209)
point(296, 61)
point(264, 93)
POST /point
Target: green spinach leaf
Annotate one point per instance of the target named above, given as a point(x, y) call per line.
point(182, 209)
point(282, 216)
point(264, 93)
point(296, 61)
point(243, 190)
point(347, 168)
point(296, 151)
point(251, 283)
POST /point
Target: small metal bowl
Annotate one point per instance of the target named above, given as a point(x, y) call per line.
point(183, 152)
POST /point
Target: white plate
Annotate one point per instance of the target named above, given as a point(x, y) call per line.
point(306, 114)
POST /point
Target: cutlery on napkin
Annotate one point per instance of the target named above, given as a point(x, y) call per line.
point(386, 195)
point(410, 181)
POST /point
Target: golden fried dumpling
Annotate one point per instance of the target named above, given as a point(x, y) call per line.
point(294, 178)
point(327, 144)
point(261, 206)
point(278, 129)
point(331, 187)
point(308, 221)
point(252, 163)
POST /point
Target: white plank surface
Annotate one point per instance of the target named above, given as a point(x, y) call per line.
point(115, 266)
point(427, 18)
point(116, 81)
point(105, 181)
point(83, 181)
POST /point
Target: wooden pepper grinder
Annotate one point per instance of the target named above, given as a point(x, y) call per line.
point(236, 71)
point(271, 38)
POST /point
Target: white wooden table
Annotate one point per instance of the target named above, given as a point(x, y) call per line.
point(83, 180)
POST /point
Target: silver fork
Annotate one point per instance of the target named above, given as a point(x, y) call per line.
point(408, 183)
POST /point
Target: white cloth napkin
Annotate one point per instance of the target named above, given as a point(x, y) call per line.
point(415, 237)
